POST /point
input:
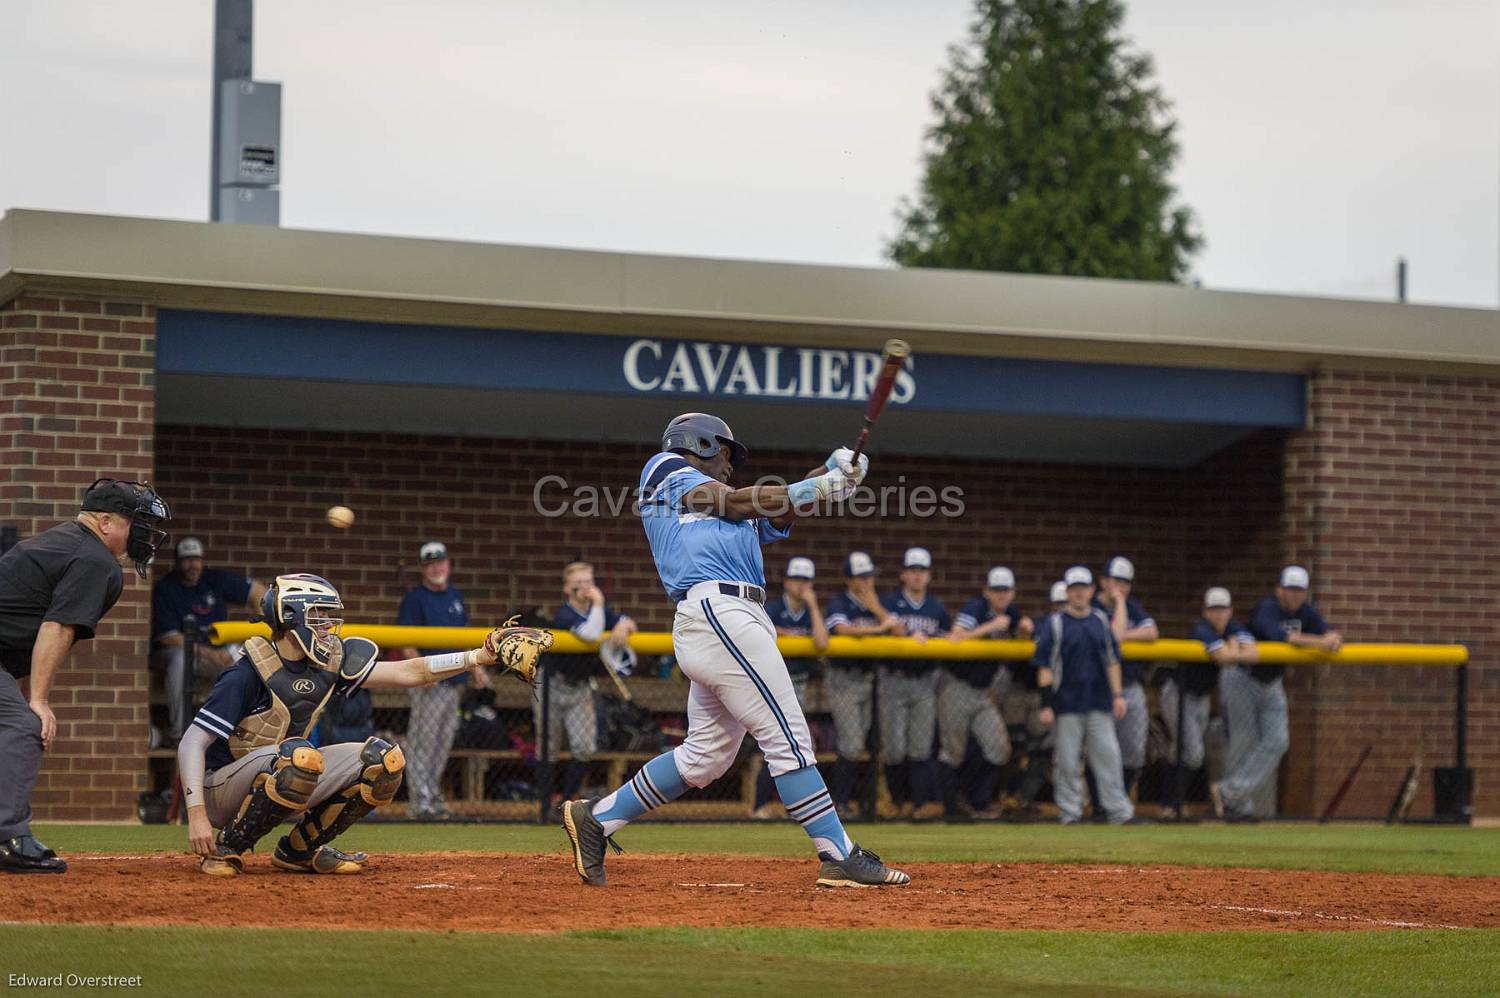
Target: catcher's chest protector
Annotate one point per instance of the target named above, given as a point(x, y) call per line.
point(297, 700)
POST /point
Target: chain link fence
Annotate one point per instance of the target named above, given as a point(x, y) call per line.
point(955, 739)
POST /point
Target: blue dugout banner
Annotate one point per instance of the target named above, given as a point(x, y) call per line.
point(237, 345)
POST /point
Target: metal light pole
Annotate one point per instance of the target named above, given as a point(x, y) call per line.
point(245, 151)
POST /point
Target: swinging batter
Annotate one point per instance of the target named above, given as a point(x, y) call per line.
point(706, 539)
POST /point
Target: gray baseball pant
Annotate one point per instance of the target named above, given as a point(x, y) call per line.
point(1131, 730)
point(570, 709)
point(1094, 733)
point(20, 758)
point(963, 708)
point(429, 737)
point(850, 691)
point(908, 715)
point(225, 789)
point(1194, 723)
point(1255, 714)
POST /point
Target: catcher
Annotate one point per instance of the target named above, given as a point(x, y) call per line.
point(246, 763)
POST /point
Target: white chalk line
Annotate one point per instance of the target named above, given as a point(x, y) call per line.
point(1294, 913)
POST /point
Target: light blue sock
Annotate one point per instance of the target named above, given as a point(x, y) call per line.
point(653, 785)
point(806, 798)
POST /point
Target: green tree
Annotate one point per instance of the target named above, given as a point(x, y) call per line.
point(1051, 153)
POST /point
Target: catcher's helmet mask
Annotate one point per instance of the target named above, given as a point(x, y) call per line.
point(299, 606)
point(702, 435)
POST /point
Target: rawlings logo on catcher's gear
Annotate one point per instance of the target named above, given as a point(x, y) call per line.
point(518, 648)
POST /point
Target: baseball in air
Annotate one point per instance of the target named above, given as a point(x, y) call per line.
point(341, 516)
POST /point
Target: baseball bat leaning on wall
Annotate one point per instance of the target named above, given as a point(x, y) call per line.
point(1338, 795)
point(896, 352)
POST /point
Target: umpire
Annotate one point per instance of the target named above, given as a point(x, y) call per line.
point(54, 588)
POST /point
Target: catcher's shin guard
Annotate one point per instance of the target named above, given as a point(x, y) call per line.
point(379, 778)
point(278, 794)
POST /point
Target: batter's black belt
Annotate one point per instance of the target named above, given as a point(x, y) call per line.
point(744, 590)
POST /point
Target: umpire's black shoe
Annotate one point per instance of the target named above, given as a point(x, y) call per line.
point(588, 839)
point(24, 854)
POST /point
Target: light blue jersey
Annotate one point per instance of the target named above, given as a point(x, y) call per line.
point(690, 547)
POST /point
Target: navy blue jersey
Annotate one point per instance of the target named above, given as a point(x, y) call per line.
point(928, 617)
point(239, 693)
point(844, 609)
point(579, 666)
point(1135, 616)
point(208, 601)
point(1270, 622)
point(1087, 651)
point(982, 673)
point(1201, 677)
point(423, 607)
point(787, 622)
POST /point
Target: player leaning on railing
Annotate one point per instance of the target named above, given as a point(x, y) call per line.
point(246, 763)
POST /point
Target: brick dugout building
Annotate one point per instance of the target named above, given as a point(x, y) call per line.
point(259, 375)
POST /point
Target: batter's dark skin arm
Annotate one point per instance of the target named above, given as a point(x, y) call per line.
point(718, 499)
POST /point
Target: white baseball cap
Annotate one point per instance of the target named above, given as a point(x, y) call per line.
point(1059, 592)
point(1294, 577)
point(1217, 596)
point(1120, 568)
point(1001, 577)
point(917, 558)
point(800, 568)
point(1078, 575)
point(189, 547)
point(432, 551)
point(858, 563)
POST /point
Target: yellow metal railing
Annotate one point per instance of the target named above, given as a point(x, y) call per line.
point(660, 643)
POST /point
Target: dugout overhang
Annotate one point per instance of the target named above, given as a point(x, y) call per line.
point(264, 326)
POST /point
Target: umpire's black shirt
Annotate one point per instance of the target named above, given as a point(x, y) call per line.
point(65, 575)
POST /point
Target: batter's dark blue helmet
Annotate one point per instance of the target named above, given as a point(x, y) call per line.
point(701, 434)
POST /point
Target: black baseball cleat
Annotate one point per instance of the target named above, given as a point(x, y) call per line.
point(24, 854)
point(860, 869)
point(588, 839)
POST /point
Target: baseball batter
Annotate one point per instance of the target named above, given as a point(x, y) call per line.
point(706, 539)
point(246, 762)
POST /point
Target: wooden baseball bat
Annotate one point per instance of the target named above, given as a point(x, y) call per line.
point(896, 352)
point(1338, 795)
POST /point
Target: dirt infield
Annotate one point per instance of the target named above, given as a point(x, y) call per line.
point(510, 893)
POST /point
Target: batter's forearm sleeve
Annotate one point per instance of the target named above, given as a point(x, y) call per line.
point(190, 766)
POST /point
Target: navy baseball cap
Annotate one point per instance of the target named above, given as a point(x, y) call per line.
point(858, 563)
point(432, 551)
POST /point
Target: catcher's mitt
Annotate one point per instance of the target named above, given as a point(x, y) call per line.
point(518, 648)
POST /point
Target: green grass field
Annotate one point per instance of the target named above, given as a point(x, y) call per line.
point(222, 961)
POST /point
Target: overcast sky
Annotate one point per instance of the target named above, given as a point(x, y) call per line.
point(1321, 140)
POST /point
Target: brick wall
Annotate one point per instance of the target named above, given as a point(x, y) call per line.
point(1393, 499)
point(257, 500)
point(77, 402)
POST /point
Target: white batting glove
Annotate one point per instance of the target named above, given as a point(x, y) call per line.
point(842, 459)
